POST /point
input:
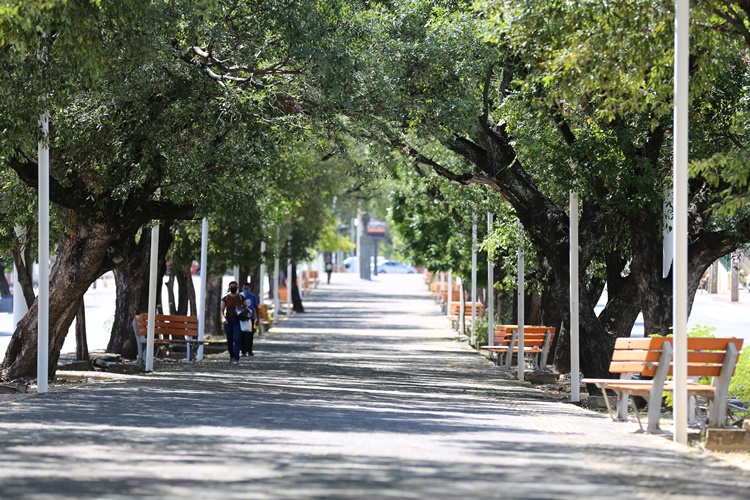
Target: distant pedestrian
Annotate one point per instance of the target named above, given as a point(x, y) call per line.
point(229, 305)
point(246, 346)
point(329, 270)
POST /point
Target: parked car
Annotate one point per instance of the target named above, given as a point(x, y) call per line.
point(395, 267)
point(352, 264)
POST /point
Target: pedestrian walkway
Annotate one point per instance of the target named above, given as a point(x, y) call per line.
point(365, 395)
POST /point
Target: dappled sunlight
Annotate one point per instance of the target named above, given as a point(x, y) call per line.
point(337, 402)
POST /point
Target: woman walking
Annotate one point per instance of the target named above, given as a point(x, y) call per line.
point(229, 305)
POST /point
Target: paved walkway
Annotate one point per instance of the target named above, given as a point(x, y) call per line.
point(366, 395)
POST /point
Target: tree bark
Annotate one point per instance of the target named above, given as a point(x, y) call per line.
point(170, 292)
point(255, 281)
point(214, 293)
point(296, 297)
point(20, 259)
point(82, 346)
point(86, 251)
point(4, 285)
point(131, 282)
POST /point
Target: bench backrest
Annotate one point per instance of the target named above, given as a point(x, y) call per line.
point(443, 294)
point(503, 334)
point(262, 311)
point(641, 355)
point(167, 324)
point(456, 308)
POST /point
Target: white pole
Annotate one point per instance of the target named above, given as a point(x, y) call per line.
point(473, 278)
point(262, 273)
point(575, 365)
point(204, 281)
point(490, 290)
point(358, 249)
point(461, 307)
point(289, 281)
point(521, 295)
point(276, 302)
point(42, 360)
point(450, 293)
point(153, 271)
point(679, 280)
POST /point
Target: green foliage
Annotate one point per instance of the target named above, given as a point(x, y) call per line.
point(481, 330)
point(740, 385)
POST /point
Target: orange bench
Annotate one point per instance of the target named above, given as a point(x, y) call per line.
point(264, 320)
point(455, 308)
point(537, 341)
point(653, 357)
point(168, 330)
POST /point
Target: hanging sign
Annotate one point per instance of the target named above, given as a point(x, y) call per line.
point(376, 228)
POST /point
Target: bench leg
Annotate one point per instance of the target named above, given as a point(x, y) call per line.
point(622, 406)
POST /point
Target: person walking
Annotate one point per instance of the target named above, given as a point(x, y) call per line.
point(246, 345)
point(329, 270)
point(229, 305)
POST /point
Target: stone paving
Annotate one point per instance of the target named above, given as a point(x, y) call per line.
point(366, 395)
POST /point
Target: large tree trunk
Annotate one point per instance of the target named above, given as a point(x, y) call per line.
point(214, 293)
point(255, 281)
point(86, 251)
point(131, 282)
point(82, 345)
point(24, 264)
point(296, 297)
point(4, 285)
point(183, 300)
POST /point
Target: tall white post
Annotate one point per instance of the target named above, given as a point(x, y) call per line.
point(521, 295)
point(680, 206)
point(204, 280)
point(153, 276)
point(450, 293)
point(42, 360)
point(490, 290)
point(461, 307)
point(575, 365)
point(262, 273)
point(473, 279)
point(358, 242)
point(276, 302)
point(289, 284)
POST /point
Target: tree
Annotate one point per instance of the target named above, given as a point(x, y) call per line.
point(518, 111)
point(153, 133)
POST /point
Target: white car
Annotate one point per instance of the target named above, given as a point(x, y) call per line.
point(351, 264)
point(395, 267)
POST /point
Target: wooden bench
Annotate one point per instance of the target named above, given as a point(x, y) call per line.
point(537, 341)
point(442, 297)
point(309, 281)
point(264, 320)
point(653, 357)
point(168, 330)
point(455, 308)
